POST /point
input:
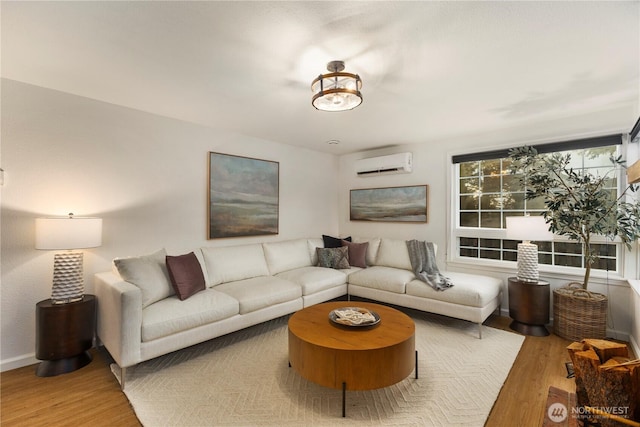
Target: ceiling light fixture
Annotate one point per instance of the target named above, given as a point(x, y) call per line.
point(337, 90)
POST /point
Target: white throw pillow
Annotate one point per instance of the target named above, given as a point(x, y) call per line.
point(231, 263)
point(287, 255)
point(394, 253)
point(149, 273)
point(312, 244)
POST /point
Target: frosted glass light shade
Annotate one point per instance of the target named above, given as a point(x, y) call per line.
point(337, 90)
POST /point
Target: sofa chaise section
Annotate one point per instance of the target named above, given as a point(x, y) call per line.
point(472, 298)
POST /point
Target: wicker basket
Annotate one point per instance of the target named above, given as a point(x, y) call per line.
point(578, 313)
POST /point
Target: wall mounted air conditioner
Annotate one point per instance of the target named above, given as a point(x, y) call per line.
point(393, 163)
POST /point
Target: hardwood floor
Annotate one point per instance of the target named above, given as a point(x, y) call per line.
point(540, 364)
point(88, 396)
point(92, 396)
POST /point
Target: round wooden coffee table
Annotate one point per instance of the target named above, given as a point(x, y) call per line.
point(352, 358)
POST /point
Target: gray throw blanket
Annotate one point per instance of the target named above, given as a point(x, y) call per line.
point(423, 263)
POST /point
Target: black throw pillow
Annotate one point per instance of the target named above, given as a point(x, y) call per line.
point(333, 242)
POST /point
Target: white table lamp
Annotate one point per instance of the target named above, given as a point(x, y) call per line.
point(68, 233)
point(527, 228)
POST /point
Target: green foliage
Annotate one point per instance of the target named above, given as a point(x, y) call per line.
point(578, 204)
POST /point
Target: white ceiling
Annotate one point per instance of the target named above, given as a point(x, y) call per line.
point(432, 71)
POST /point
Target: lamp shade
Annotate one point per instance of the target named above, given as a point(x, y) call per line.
point(68, 233)
point(528, 228)
point(633, 173)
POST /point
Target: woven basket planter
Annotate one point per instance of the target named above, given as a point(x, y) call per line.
point(578, 313)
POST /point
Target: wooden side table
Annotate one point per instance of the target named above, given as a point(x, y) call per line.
point(529, 306)
point(64, 335)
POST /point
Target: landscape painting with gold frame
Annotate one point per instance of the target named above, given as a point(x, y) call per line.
point(243, 196)
point(391, 204)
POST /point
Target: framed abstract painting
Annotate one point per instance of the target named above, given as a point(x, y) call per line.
point(243, 196)
point(391, 204)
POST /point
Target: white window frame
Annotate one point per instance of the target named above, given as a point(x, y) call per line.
point(455, 232)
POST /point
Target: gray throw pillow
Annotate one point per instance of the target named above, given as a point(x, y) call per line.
point(337, 258)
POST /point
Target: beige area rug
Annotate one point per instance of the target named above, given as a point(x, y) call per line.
point(243, 379)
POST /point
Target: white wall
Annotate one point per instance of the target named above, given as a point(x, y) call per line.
point(428, 169)
point(432, 166)
point(145, 175)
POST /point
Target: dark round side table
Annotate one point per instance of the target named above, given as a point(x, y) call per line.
point(64, 335)
point(529, 306)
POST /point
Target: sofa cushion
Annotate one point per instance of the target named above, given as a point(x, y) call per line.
point(372, 250)
point(468, 289)
point(203, 267)
point(357, 253)
point(349, 271)
point(149, 273)
point(171, 315)
point(287, 255)
point(333, 257)
point(314, 279)
point(230, 263)
point(260, 292)
point(312, 244)
point(393, 253)
point(384, 278)
point(185, 274)
point(333, 242)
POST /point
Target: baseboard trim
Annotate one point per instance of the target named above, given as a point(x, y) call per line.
point(18, 362)
point(612, 333)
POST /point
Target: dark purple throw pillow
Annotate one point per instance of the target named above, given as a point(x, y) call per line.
point(185, 274)
point(357, 253)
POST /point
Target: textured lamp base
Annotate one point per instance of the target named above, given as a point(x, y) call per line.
point(68, 283)
point(528, 262)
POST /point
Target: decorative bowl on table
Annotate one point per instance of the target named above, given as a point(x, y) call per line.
point(354, 316)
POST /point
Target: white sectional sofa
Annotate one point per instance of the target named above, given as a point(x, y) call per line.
point(390, 279)
point(244, 285)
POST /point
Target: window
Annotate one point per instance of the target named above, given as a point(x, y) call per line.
point(486, 193)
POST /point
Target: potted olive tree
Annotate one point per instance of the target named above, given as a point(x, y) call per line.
point(578, 206)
